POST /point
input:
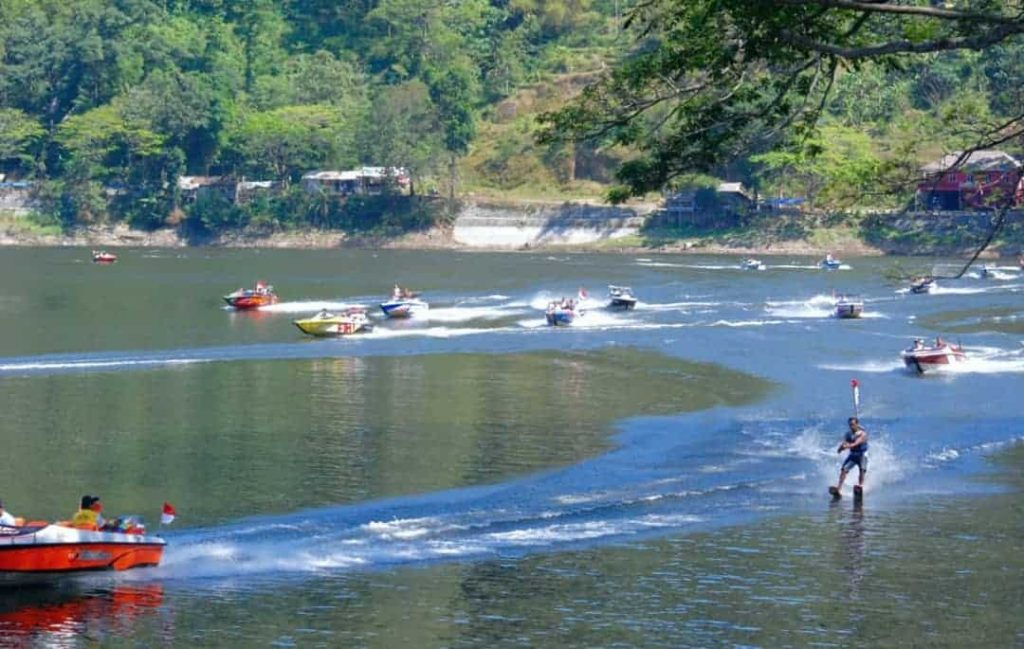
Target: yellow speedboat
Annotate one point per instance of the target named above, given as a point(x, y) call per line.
point(350, 321)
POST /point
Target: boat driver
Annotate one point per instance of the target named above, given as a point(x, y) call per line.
point(88, 515)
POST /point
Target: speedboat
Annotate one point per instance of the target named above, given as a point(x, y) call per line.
point(984, 272)
point(41, 548)
point(103, 257)
point(830, 262)
point(562, 313)
point(403, 304)
point(925, 359)
point(350, 321)
point(252, 298)
point(621, 297)
point(752, 264)
point(922, 285)
point(849, 307)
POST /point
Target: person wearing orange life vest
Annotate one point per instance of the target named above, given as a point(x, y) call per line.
point(88, 515)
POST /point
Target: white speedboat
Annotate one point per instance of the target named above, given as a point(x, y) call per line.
point(849, 307)
point(403, 304)
point(925, 359)
point(621, 297)
point(752, 264)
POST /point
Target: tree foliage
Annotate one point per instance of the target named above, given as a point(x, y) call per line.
point(712, 80)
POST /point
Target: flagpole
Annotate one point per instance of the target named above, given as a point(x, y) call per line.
point(855, 387)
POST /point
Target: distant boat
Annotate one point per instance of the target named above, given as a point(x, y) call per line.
point(830, 262)
point(984, 272)
point(103, 257)
point(849, 307)
point(922, 285)
point(350, 321)
point(925, 359)
point(752, 264)
point(621, 297)
point(403, 304)
point(252, 298)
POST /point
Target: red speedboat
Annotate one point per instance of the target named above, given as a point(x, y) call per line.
point(41, 548)
point(252, 298)
point(924, 359)
point(103, 257)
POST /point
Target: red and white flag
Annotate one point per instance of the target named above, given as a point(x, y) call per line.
point(856, 395)
point(168, 514)
point(583, 293)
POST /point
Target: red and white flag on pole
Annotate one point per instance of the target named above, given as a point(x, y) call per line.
point(855, 384)
point(168, 514)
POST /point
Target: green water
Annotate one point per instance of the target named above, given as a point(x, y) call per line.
point(479, 480)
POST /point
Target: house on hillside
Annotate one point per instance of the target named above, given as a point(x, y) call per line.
point(191, 188)
point(983, 179)
point(721, 207)
point(363, 181)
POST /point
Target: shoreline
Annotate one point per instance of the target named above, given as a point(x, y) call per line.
point(841, 242)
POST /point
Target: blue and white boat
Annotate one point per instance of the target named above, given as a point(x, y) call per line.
point(403, 304)
point(830, 262)
point(562, 313)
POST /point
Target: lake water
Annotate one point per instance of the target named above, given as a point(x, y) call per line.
point(475, 478)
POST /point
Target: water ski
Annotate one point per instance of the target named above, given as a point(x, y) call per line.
point(858, 492)
point(835, 493)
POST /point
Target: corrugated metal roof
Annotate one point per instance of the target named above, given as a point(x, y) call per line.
point(982, 160)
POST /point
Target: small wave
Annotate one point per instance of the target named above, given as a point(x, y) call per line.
point(308, 306)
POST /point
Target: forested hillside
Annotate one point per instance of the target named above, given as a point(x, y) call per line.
point(104, 104)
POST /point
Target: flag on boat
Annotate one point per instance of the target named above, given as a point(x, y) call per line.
point(583, 293)
point(168, 514)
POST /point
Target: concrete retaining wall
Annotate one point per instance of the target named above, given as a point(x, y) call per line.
point(499, 226)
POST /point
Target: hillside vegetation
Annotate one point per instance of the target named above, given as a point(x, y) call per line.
point(105, 103)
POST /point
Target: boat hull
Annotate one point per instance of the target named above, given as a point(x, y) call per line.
point(243, 302)
point(561, 318)
point(849, 310)
point(622, 304)
point(332, 327)
point(403, 308)
point(54, 550)
point(928, 361)
point(922, 288)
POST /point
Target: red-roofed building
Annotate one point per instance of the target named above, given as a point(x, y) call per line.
point(982, 179)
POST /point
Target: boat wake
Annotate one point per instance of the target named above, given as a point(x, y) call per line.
point(643, 489)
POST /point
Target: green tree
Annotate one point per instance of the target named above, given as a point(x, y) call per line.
point(711, 79)
point(453, 94)
point(403, 131)
point(286, 142)
point(20, 135)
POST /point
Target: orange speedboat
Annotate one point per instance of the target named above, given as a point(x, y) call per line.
point(40, 548)
point(103, 257)
point(252, 298)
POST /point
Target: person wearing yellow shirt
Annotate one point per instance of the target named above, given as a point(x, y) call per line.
point(88, 515)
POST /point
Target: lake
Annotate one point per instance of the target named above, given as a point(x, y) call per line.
point(475, 478)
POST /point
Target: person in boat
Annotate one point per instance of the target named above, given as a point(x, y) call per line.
point(939, 342)
point(89, 514)
point(856, 442)
point(918, 344)
point(6, 517)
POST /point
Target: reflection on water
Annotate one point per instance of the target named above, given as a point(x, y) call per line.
point(69, 614)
